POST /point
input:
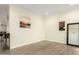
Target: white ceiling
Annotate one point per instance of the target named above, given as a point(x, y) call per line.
point(42, 9)
point(52, 9)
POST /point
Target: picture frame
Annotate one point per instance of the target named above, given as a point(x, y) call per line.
point(25, 22)
point(61, 25)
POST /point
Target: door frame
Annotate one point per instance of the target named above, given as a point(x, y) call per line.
point(68, 34)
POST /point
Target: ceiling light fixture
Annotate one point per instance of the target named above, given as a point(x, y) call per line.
point(71, 5)
point(46, 13)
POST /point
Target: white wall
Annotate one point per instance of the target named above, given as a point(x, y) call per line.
point(41, 28)
point(4, 9)
point(24, 36)
point(52, 28)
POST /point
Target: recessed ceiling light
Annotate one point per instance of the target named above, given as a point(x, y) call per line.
point(46, 13)
point(71, 4)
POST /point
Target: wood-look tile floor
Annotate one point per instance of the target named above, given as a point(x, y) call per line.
point(43, 48)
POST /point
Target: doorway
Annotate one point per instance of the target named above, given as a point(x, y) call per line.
point(73, 34)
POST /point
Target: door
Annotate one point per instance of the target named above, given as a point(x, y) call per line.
point(73, 34)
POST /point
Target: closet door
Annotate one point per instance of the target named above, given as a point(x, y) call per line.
point(73, 34)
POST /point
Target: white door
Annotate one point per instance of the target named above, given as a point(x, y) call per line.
point(74, 34)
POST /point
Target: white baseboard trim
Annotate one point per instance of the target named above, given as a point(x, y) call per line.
point(30, 42)
point(57, 41)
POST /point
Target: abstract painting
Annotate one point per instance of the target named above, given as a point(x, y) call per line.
point(61, 25)
point(25, 22)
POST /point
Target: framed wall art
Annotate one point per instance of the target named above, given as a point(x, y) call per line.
point(61, 25)
point(25, 22)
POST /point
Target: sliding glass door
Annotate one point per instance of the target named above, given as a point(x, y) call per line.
point(73, 34)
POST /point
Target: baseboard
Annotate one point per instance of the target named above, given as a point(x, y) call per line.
point(30, 42)
point(57, 41)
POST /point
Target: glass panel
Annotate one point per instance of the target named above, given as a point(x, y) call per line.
point(74, 34)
